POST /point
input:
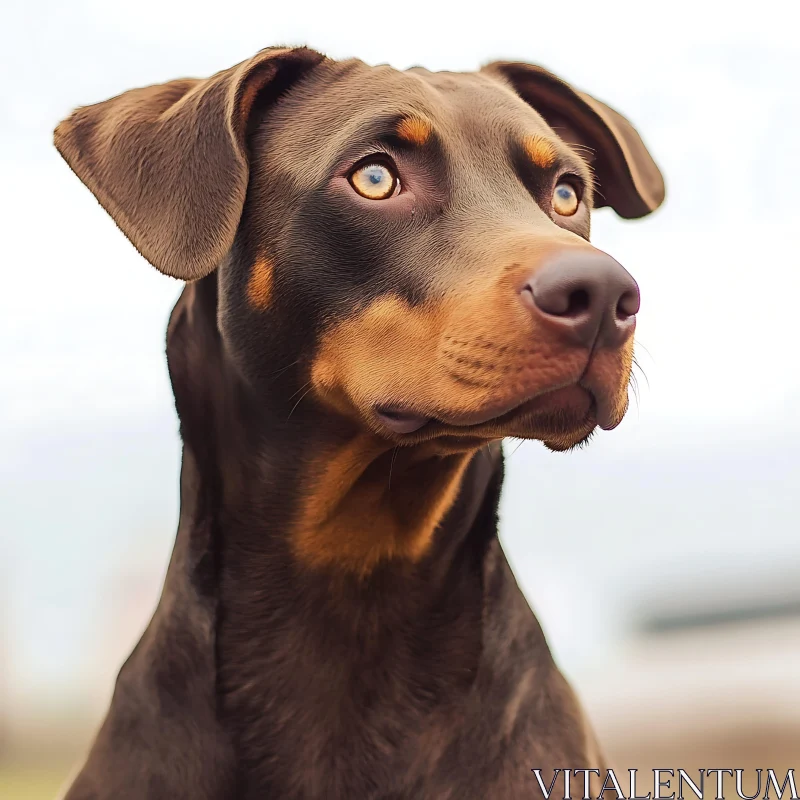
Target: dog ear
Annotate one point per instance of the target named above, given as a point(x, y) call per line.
point(170, 164)
point(628, 179)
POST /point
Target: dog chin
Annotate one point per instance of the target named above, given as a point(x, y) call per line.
point(559, 431)
point(559, 436)
point(565, 443)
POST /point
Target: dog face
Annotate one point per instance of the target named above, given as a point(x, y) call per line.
point(415, 245)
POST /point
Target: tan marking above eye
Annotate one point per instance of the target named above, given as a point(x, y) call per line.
point(565, 199)
point(540, 151)
point(414, 130)
point(375, 181)
point(259, 286)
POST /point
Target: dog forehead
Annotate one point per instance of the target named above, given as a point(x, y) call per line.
point(337, 85)
point(316, 120)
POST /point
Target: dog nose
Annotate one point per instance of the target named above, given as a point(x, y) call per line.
point(587, 296)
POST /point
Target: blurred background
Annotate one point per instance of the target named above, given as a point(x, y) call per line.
point(663, 561)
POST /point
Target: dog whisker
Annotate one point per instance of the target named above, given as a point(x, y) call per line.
point(521, 442)
point(299, 400)
point(634, 386)
point(641, 345)
point(283, 369)
point(391, 466)
point(304, 386)
point(599, 193)
point(636, 365)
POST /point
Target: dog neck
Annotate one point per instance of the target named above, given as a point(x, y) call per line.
point(296, 480)
point(363, 654)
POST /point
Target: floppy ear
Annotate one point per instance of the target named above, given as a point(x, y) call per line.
point(170, 164)
point(628, 179)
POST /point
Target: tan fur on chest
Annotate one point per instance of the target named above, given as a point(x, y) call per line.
point(366, 503)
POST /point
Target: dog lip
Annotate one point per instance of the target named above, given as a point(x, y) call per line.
point(606, 419)
point(401, 421)
point(491, 414)
point(604, 410)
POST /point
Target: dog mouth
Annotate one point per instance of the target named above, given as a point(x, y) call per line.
point(561, 411)
point(401, 422)
point(595, 395)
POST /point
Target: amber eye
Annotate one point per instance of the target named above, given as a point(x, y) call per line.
point(375, 181)
point(565, 200)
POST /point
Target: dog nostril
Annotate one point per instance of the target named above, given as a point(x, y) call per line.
point(578, 303)
point(558, 300)
point(628, 305)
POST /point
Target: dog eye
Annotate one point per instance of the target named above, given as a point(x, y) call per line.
point(375, 181)
point(565, 200)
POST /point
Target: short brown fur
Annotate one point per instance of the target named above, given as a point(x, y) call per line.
point(338, 619)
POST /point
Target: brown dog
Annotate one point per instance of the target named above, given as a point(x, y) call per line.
point(386, 273)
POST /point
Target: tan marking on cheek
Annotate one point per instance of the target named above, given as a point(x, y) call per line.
point(259, 286)
point(387, 348)
point(414, 130)
point(393, 352)
point(540, 150)
point(449, 358)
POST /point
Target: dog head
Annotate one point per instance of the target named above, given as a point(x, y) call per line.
point(414, 245)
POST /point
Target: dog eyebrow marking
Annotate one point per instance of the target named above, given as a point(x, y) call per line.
point(414, 130)
point(540, 150)
point(259, 286)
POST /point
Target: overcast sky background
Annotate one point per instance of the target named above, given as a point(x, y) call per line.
point(694, 496)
